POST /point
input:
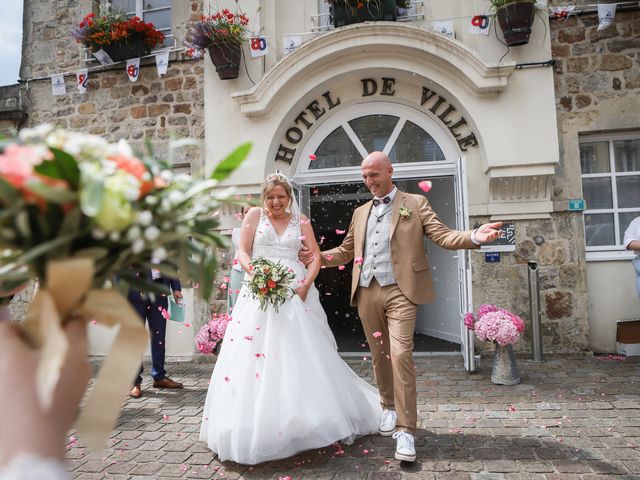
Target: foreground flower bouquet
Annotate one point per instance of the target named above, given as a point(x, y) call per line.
point(88, 219)
point(270, 283)
point(212, 333)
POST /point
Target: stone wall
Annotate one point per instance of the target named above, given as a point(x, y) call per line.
point(155, 109)
point(597, 82)
point(553, 245)
point(12, 111)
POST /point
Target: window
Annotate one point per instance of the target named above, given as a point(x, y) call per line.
point(610, 168)
point(350, 142)
point(157, 12)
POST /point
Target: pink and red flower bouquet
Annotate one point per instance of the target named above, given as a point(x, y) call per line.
point(495, 324)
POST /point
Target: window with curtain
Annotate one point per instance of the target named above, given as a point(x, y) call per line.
point(610, 170)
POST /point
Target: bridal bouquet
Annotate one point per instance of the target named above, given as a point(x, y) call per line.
point(212, 333)
point(269, 282)
point(495, 324)
point(87, 219)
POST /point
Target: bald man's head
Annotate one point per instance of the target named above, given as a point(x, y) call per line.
point(376, 172)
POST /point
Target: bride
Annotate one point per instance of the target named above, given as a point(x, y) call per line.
point(279, 386)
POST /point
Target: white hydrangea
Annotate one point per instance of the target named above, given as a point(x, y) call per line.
point(151, 233)
point(145, 218)
point(138, 246)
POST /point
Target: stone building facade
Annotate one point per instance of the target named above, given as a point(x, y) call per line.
point(525, 175)
point(153, 108)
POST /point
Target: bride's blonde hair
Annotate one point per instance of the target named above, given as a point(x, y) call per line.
point(273, 180)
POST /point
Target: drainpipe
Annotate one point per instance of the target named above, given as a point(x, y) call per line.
point(534, 311)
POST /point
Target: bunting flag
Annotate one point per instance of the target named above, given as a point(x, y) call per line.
point(606, 14)
point(562, 13)
point(290, 43)
point(133, 69)
point(444, 28)
point(57, 85)
point(103, 57)
point(480, 24)
point(82, 78)
point(259, 46)
point(162, 62)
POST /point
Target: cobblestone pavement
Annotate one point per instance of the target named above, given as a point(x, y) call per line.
point(572, 417)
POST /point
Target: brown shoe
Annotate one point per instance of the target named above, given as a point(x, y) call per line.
point(166, 382)
point(136, 391)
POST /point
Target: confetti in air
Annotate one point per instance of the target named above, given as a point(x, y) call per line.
point(425, 185)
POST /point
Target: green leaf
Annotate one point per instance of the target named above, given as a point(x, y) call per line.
point(46, 247)
point(71, 222)
point(166, 270)
point(91, 197)
point(8, 193)
point(233, 160)
point(67, 166)
point(22, 225)
point(51, 193)
point(49, 168)
point(95, 253)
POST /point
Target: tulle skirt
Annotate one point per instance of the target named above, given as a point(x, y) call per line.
point(279, 386)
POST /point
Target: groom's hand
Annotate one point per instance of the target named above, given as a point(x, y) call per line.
point(305, 256)
point(488, 232)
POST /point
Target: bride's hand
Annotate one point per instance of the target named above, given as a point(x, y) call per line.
point(302, 292)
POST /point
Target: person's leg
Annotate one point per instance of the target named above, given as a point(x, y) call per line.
point(140, 306)
point(158, 331)
point(371, 312)
point(636, 265)
point(401, 318)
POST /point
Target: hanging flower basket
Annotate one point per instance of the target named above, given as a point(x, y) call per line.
point(344, 12)
point(515, 20)
point(119, 51)
point(226, 57)
point(222, 33)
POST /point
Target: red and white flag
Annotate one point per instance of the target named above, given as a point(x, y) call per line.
point(480, 24)
point(82, 78)
point(133, 69)
point(562, 13)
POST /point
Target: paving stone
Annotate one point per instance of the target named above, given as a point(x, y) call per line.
point(573, 417)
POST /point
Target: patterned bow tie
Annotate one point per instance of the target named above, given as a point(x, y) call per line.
point(377, 201)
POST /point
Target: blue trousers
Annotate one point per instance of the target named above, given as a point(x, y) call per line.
point(150, 312)
point(636, 265)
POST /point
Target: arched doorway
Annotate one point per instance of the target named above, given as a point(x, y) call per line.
point(330, 188)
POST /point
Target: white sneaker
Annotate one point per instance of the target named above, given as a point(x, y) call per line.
point(405, 448)
point(387, 423)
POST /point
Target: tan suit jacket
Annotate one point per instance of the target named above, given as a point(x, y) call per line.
point(410, 264)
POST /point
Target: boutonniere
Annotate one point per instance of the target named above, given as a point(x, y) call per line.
point(405, 212)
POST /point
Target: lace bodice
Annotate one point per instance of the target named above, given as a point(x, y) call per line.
point(267, 243)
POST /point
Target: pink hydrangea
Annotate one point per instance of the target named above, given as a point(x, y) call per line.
point(495, 324)
point(212, 333)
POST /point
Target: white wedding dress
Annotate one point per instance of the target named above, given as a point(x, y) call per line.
point(279, 386)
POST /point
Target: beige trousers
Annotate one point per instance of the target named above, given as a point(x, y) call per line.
point(388, 311)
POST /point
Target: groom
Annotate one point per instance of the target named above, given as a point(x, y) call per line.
point(391, 278)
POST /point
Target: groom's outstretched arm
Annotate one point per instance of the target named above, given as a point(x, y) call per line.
point(341, 254)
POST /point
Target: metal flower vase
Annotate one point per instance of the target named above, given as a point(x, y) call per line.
point(505, 370)
point(226, 57)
